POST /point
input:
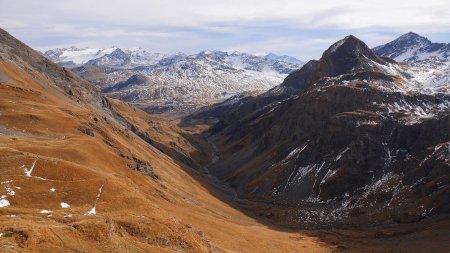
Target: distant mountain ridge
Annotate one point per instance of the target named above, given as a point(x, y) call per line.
point(412, 47)
point(430, 61)
point(175, 82)
point(74, 56)
point(132, 57)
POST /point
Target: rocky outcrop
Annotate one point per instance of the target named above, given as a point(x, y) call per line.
point(16, 52)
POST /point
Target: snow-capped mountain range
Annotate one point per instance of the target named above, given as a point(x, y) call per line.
point(115, 57)
point(112, 56)
point(430, 62)
point(179, 82)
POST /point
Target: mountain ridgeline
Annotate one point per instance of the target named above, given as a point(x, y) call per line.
point(352, 138)
point(347, 56)
point(412, 47)
point(179, 83)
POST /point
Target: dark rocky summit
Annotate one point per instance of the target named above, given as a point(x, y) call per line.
point(349, 55)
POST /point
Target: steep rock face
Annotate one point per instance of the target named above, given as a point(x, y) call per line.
point(15, 51)
point(346, 141)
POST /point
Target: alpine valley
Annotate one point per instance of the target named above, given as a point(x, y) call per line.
point(350, 152)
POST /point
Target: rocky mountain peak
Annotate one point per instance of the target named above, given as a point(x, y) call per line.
point(116, 58)
point(405, 47)
point(348, 43)
point(347, 56)
point(413, 38)
point(118, 53)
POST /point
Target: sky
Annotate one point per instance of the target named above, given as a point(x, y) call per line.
point(303, 29)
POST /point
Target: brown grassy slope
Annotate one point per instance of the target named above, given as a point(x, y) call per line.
point(42, 124)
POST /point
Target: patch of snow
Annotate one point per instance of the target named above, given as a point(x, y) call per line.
point(329, 174)
point(298, 174)
point(46, 211)
point(4, 202)
point(52, 189)
point(91, 212)
point(389, 182)
point(337, 45)
point(416, 112)
point(83, 55)
point(296, 152)
point(29, 171)
point(64, 205)
point(338, 157)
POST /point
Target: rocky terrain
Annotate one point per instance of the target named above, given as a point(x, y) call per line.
point(83, 173)
point(177, 82)
point(352, 138)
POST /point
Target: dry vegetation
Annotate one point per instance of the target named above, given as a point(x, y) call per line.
point(76, 150)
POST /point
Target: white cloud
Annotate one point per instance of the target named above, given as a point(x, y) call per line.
point(288, 45)
point(350, 14)
point(186, 21)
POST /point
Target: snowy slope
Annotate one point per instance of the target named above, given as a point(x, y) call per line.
point(182, 81)
point(112, 56)
point(429, 63)
point(197, 80)
point(76, 56)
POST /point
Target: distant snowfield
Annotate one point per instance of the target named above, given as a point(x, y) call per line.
point(82, 56)
point(141, 57)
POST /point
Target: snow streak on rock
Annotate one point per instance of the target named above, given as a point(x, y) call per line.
point(93, 211)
